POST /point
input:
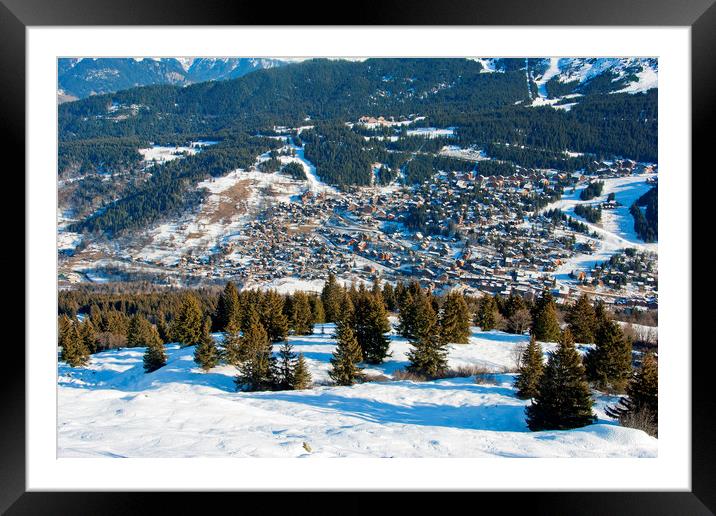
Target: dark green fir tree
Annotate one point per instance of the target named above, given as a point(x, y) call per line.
point(486, 316)
point(582, 320)
point(257, 370)
point(233, 353)
point(428, 356)
point(189, 321)
point(564, 400)
point(530, 371)
point(370, 324)
point(640, 407)
point(301, 314)
point(331, 297)
point(344, 363)
point(154, 356)
point(206, 354)
point(227, 307)
point(455, 319)
point(285, 367)
point(73, 350)
point(88, 332)
point(545, 326)
point(301, 375)
point(272, 316)
point(609, 362)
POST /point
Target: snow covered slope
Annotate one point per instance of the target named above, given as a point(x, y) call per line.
point(594, 75)
point(113, 409)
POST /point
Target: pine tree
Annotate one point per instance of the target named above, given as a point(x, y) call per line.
point(95, 316)
point(582, 320)
point(206, 355)
point(138, 332)
point(375, 289)
point(89, 335)
point(188, 323)
point(564, 400)
point(73, 347)
point(233, 353)
point(370, 324)
point(486, 317)
point(257, 370)
point(600, 313)
point(301, 375)
point(64, 324)
point(428, 356)
point(512, 304)
point(389, 298)
point(154, 356)
point(227, 307)
point(344, 363)
point(545, 326)
point(455, 319)
point(250, 302)
point(301, 316)
point(410, 298)
point(531, 369)
point(163, 328)
point(331, 296)
point(642, 399)
point(400, 292)
point(319, 315)
point(272, 317)
point(285, 367)
point(346, 312)
point(609, 362)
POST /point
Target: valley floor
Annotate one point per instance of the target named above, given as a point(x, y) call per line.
point(113, 409)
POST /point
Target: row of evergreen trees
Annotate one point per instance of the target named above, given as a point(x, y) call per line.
point(561, 396)
point(253, 321)
point(251, 325)
point(608, 363)
point(429, 322)
point(361, 328)
point(361, 319)
point(560, 390)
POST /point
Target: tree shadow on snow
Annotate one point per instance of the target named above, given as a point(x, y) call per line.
point(471, 417)
point(498, 336)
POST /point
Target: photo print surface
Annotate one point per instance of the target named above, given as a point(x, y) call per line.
point(374, 257)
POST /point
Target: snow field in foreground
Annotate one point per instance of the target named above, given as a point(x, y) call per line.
point(113, 409)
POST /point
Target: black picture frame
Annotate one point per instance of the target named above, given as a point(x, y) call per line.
point(700, 15)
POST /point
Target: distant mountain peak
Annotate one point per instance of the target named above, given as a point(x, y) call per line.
point(82, 77)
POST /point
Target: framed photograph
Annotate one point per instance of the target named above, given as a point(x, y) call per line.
point(434, 250)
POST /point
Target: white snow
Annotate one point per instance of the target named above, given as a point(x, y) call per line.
point(583, 70)
point(548, 74)
point(163, 153)
point(615, 231)
point(646, 80)
point(470, 153)
point(488, 64)
point(314, 182)
point(67, 240)
point(431, 132)
point(202, 231)
point(113, 409)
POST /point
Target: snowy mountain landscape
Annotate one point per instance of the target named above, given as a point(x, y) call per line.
point(380, 257)
point(113, 409)
point(82, 77)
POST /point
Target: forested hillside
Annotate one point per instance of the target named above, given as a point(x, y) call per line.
point(492, 111)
